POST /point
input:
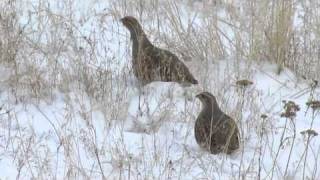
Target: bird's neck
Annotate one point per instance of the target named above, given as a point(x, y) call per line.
point(210, 107)
point(139, 40)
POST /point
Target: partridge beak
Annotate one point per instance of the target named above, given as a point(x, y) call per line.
point(198, 96)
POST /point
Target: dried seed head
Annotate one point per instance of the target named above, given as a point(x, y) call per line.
point(263, 116)
point(314, 83)
point(313, 104)
point(290, 109)
point(244, 82)
point(309, 132)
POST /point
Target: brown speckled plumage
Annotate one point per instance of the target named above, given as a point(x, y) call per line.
point(151, 63)
point(214, 130)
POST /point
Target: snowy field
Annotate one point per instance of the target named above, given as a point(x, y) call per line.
point(69, 106)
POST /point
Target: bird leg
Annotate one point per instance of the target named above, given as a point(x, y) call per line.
point(139, 100)
point(140, 94)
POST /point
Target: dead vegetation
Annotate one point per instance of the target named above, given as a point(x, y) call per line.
point(81, 52)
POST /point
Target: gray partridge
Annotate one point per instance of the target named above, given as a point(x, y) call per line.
point(151, 63)
point(214, 130)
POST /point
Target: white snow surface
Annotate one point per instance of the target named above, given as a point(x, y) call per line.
point(156, 141)
point(153, 138)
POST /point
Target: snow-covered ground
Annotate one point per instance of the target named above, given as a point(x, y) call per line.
point(148, 133)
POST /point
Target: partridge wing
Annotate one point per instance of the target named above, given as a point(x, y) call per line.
point(202, 132)
point(170, 67)
point(231, 133)
point(180, 70)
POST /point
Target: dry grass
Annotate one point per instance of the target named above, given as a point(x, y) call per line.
point(45, 49)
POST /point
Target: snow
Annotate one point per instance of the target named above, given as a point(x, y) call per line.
point(72, 136)
point(164, 137)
